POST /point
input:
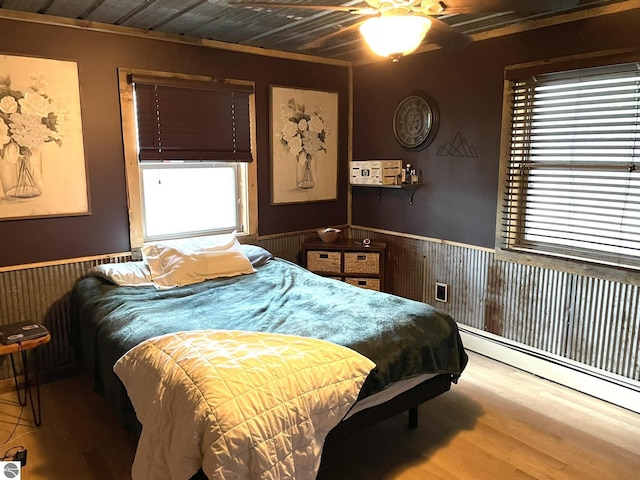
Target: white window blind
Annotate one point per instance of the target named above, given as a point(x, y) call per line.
point(573, 176)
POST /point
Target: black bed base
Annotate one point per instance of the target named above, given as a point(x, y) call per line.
point(406, 401)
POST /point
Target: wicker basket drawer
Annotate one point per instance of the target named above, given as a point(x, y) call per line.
point(361, 262)
point(319, 261)
point(368, 283)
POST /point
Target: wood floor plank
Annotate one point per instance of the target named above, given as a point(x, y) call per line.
point(497, 423)
point(77, 437)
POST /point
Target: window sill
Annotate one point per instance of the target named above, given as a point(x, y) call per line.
point(569, 265)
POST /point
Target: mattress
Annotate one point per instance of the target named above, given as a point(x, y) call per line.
point(389, 393)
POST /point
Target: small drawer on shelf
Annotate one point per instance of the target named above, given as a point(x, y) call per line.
point(361, 262)
point(368, 283)
point(319, 261)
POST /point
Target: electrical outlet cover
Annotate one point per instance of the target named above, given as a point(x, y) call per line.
point(442, 292)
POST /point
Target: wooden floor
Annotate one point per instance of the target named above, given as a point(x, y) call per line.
point(497, 423)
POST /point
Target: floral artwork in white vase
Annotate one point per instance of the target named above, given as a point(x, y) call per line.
point(42, 167)
point(304, 145)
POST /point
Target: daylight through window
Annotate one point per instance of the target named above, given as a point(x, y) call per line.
point(181, 199)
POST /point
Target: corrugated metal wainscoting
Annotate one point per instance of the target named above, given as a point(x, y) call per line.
point(592, 321)
point(41, 295)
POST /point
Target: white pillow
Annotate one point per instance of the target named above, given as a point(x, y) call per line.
point(126, 274)
point(174, 263)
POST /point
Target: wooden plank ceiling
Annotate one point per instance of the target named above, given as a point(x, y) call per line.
point(284, 29)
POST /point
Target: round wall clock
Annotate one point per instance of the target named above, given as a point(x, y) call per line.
point(415, 122)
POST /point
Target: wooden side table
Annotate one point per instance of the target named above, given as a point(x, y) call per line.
point(22, 348)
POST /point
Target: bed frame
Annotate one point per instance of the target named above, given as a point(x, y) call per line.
point(408, 401)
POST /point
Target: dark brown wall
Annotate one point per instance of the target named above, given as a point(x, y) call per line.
point(458, 200)
point(98, 56)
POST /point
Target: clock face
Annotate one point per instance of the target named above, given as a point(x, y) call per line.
point(415, 122)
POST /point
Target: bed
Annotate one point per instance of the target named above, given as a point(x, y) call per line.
point(415, 349)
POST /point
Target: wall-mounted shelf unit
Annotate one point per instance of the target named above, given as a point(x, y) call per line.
point(410, 188)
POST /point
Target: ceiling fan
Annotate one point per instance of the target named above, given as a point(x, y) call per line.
point(397, 27)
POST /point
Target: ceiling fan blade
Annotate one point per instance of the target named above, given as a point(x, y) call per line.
point(321, 41)
point(496, 6)
point(331, 8)
point(444, 35)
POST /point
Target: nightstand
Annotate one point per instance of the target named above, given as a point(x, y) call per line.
point(347, 260)
point(24, 392)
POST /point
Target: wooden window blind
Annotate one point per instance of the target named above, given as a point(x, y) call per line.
point(192, 120)
point(573, 176)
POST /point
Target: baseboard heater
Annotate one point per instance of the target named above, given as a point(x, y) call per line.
point(606, 386)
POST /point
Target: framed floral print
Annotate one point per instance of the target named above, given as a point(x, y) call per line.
point(304, 145)
point(42, 165)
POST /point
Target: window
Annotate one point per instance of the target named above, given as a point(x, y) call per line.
point(172, 193)
point(572, 174)
point(188, 149)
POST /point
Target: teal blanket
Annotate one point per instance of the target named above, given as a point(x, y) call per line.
point(403, 337)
